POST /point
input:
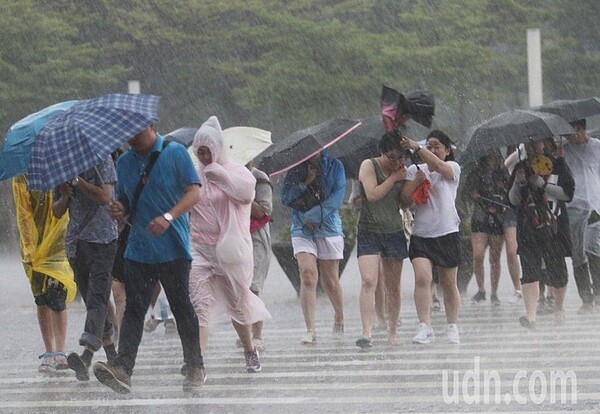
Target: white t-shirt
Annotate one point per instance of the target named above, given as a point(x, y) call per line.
point(584, 162)
point(438, 216)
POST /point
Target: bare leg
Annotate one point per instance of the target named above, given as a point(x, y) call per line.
point(422, 268)
point(245, 334)
point(531, 294)
point(307, 264)
point(496, 243)
point(330, 280)
point(392, 272)
point(257, 326)
point(451, 293)
point(59, 328)
point(479, 242)
point(118, 290)
point(380, 299)
point(369, 274)
point(44, 315)
point(204, 334)
point(514, 267)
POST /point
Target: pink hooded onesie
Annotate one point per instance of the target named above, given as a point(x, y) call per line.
point(222, 263)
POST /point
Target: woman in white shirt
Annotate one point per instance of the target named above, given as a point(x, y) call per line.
point(435, 240)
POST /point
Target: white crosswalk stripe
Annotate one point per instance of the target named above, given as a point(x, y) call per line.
point(522, 369)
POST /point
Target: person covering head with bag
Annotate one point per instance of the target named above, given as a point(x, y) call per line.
point(221, 244)
point(317, 234)
point(539, 188)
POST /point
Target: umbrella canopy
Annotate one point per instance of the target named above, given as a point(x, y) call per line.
point(86, 134)
point(184, 136)
point(303, 144)
point(245, 143)
point(363, 143)
point(513, 128)
point(418, 104)
point(571, 109)
point(14, 157)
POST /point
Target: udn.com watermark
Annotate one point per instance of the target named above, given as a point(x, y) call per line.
point(485, 387)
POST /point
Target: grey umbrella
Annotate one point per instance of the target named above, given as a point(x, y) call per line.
point(512, 128)
point(572, 109)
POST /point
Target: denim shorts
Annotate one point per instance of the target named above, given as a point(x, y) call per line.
point(509, 218)
point(387, 245)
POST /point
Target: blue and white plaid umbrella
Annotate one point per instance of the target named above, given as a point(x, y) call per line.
point(86, 134)
point(14, 157)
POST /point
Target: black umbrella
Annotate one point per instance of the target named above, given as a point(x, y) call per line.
point(571, 109)
point(362, 143)
point(418, 104)
point(185, 136)
point(513, 128)
point(303, 144)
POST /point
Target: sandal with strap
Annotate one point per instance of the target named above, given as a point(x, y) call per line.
point(48, 364)
point(60, 360)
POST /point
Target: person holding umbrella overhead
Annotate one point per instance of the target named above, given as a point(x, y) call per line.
point(582, 154)
point(158, 249)
point(315, 191)
point(435, 240)
point(91, 244)
point(539, 188)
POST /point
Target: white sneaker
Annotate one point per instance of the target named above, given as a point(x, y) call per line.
point(452, 332)
point(425, 334)
point(517, 296)
point(310, 338)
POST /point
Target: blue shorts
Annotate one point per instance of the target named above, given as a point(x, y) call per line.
point(387, 245)
point(510, 218)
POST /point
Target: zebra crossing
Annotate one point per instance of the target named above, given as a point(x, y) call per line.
point(498, 366)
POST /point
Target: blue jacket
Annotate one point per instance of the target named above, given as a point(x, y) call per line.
point(326, 215)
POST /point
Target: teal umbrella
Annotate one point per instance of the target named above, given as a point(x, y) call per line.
point(15, 153)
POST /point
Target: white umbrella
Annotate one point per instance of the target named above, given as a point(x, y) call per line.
point(245, 143)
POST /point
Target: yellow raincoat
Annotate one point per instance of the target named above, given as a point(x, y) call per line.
point(42, 236)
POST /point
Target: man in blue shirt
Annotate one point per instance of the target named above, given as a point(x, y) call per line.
point(157, 250)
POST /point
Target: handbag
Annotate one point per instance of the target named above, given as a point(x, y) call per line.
point(259, 223)
point(313, 195)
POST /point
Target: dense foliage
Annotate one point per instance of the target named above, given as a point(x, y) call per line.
point(284, 65)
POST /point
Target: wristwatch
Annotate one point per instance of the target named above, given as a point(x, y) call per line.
point(168, 217)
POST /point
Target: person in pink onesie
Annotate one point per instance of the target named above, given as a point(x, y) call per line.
point(221, 243)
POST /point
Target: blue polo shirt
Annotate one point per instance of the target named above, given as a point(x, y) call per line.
point(171, 174)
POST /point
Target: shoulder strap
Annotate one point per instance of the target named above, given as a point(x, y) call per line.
point(143, 179)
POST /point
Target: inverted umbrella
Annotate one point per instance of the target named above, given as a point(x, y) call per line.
point(14, 157)
point(245, 143)
point(572, 109)
point(362, 143)
point(303, 144)
point(512, 128)
point(86, 134)
point(418, 104)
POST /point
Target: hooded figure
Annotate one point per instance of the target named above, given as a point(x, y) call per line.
point(220, 233)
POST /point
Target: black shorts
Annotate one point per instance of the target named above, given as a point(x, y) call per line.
point(554, 273)
point(443, 251)
point(491, 224)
